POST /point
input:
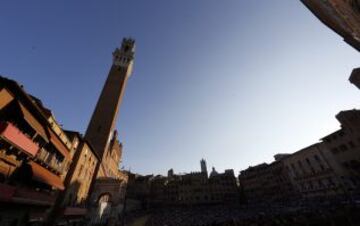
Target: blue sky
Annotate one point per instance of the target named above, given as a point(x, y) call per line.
point(231, 81)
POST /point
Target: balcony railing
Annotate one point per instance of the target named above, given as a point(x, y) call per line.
point(58, 166)
point(50, 160)
point(18, 139)
point(42, 155)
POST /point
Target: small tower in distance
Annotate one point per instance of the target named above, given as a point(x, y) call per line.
point(170, 173)
point(203, 166)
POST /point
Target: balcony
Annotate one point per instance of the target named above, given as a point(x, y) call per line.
point(18, 139)
point(50, 160)
point(14, 194)
point(61, 147)
point(28, 196)
point(45, 176)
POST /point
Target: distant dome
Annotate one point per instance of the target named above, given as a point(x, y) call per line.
point(213, 172)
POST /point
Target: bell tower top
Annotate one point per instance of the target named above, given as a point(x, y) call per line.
point(123, 57)
point(203, 166)
point(128, 45)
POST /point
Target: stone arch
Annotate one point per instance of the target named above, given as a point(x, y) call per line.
point(104, 205)
point(104, 197)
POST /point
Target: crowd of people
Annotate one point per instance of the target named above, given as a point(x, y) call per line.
point(345, 214)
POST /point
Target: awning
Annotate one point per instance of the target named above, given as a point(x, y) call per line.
point(5, 98)
point(30, 196)
point(45, 176)
point(59, 145)
point(18, 139)
point(33, 122)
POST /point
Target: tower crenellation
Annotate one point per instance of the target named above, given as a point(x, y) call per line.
point(123, 57)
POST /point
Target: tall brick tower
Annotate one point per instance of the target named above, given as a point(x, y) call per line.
point(103, 120)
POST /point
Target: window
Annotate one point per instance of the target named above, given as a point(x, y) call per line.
point(335, 150)
point(320, 183)
point(343, 147)
point(80, 170)
point(299, 163)
point(330, 181)
point(351, 144)
point(312, 170)
point(302, 186)
point(316, 157)
point(311, 186)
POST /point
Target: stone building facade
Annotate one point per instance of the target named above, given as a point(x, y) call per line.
point(35, 155)
point(72, 203)
point(198, 188)
point(108, 188)
point(251, 181)
point(138, 191)
point(312, 174)
point(342, 16)
point(194, 188)
point(268, 183)
point(344, 150)
point(328, 170)
point(47, 177)
point(223, 187)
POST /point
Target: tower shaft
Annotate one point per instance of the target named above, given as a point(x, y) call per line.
point(103, 120)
